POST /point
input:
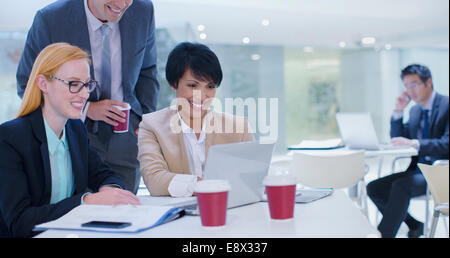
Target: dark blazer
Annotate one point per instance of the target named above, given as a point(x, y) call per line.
point(25, 176)
point(65, 21)
point(436, 146)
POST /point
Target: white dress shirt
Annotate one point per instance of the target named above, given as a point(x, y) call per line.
point(95, 38)
point(183, 185)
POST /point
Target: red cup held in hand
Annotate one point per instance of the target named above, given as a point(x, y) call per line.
point(212, 199)
point(280, 192)
point(123, 127)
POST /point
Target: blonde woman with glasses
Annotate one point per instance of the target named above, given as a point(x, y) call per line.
point(47, 166)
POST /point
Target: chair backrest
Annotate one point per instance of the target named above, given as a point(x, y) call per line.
point(328, 171)
point(441, 162)
point(437, 180)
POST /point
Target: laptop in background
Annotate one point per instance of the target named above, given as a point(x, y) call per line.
point(358, 132)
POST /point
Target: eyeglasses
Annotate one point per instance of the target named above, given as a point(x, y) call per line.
point(412, 85)
point(77, 86)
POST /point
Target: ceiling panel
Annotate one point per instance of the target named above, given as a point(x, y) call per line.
point(317, 23)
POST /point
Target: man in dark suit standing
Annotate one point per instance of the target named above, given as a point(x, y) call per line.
point(120, 36)
point(427, 131)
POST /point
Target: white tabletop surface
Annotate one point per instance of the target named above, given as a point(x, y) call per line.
point(368, 153)
point(334, 216)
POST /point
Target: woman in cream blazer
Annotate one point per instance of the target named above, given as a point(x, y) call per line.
point(173, 143)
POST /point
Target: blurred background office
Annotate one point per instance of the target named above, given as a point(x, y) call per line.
point(317, 57)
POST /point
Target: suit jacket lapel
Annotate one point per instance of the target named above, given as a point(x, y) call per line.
point(435, 111)
point(128, 46)
point(37, 124)
point(414, 123)
point(179, 140)
point(184, 156)
point(76, 155)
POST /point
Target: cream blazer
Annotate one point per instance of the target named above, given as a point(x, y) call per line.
point(161, 149)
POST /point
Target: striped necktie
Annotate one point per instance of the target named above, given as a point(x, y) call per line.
point(105, 84)
point(105, 130)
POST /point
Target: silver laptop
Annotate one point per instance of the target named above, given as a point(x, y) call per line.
point(357, 132)
point(244, 165)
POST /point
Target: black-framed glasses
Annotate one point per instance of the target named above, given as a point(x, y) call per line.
point(77, 86)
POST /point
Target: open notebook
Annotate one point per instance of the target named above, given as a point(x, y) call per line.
point(136, 218)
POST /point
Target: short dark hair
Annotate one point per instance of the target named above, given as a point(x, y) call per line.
point(422, 71)
point(202, 62)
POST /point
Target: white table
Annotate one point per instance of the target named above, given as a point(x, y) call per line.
point(335, 216)
point(368, 153)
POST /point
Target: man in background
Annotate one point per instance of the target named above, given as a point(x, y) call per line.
point(427, 131)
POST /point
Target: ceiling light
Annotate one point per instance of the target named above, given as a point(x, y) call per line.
point(246, 40)
point(265, 22)
point(200, 27)
point(308, 49)
point(368, 40)
point(203, 35)
point(255, 57)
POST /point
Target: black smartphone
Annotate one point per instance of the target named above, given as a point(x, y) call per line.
point(106, 224)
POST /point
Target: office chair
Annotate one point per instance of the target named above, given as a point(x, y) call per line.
point(332, 171)
point(437, 177)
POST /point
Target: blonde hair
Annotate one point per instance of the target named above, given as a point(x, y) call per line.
point(47, 63)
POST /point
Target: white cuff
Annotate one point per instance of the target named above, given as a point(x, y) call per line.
point(182, 185)
point(82, 197)
point(86, 107)
point(396, 115)
point(416, 144)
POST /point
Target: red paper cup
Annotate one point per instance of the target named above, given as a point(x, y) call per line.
point(212, 198)
point(123, 127)
point(280, 192)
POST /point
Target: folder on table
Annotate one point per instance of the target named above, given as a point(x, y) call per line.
point(327, 144)
point(139, 218)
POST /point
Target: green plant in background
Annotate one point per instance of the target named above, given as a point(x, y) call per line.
point(323, 105)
